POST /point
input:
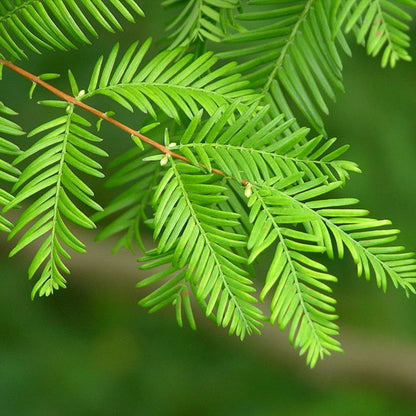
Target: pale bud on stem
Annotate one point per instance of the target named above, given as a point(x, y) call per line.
point(164, 160)
point(248, 191)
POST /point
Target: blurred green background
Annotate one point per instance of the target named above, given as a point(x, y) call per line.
point(89, 350)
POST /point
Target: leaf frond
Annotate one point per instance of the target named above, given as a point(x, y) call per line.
point(57, 159)
point(175, 290)
point(203, 241)
point(256, 149)
point(127, 210)
point(341, 227)
point(8, 172)
point(290, 56)
point(45, 24)
point(301, 293)
point(200, 20)
point(382, 25)
point(171, 82)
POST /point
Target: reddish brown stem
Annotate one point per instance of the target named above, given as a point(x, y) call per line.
point(74, 101)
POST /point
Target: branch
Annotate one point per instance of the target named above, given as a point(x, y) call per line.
point(72, 100)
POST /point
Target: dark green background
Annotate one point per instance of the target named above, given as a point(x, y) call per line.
point(89, 350)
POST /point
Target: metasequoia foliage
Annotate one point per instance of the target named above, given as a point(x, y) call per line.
point(220, 171)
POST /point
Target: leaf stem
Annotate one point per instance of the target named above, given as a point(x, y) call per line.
point(284, 52)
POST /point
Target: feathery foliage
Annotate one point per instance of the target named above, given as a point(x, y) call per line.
point(203, 239)
point(290, 54)
point(175, 291)
point(230, 176)
point(255, 150)
point(380, 24)
point(128, 209)
point(200, 20)
point(280, 199)
point(45, 24)
point(8, 172)
point(169, 81)
point(53, 174)
point(299, 280)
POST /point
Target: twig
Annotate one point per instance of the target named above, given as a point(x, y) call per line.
point(103, 116)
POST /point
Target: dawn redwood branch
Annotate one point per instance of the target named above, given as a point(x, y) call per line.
point(103, 116)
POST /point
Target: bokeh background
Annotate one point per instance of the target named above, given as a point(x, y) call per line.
point(90, 350)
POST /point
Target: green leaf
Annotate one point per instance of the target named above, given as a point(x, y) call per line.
point(380, 25)
point(200, 20)
point(298, 281)
point(8, 173)
point(203, 244)
point(50, 173)
point(261, 149)
point(135, 178)
point(169, 82)
point(290, 55)
point(26, 25)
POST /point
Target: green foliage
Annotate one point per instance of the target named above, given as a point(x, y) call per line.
point(34, 24)
point(207, 242)
point(8, 173)
point(290, 53)
point(262, 150)
point(52, 175)
point(127, 210)
point(380, 25)
point(200, 20)
point(169, 81)
point(231, 174)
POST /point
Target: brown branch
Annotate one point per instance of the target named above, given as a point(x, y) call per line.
point(103, 116)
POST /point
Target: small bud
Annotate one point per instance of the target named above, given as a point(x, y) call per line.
point(81, 93)
point(172, 145)
point(248, 191)
point(164, 160)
